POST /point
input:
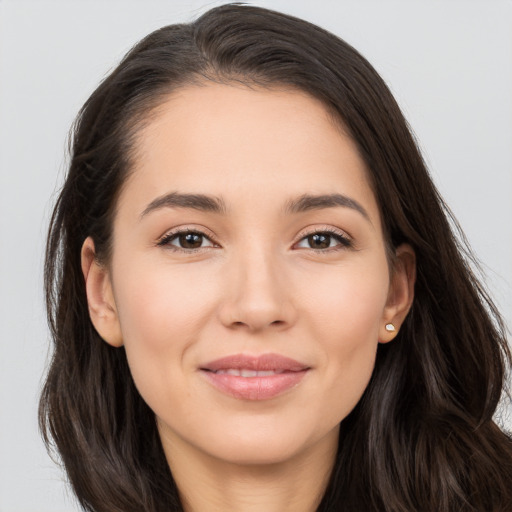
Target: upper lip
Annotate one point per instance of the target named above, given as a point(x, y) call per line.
point(264, 362)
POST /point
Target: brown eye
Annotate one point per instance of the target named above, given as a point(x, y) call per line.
point(186, 241)
point(190, 240)
point(321, 240)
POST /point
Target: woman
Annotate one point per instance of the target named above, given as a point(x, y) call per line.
point(256, 298)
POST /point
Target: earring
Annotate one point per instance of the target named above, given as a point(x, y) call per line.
point(390, 327)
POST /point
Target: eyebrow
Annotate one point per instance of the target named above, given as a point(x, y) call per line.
point(200, 202)
point(214, 204)
point(308, 202)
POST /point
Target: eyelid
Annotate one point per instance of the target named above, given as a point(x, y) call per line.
point(345, 241)
point(164, 240)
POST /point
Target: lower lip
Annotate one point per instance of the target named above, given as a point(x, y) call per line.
point(254, 388)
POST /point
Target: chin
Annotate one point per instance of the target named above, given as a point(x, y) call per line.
point(255, 453)
point(269, 444)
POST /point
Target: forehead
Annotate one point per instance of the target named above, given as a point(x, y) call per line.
point(228, 140)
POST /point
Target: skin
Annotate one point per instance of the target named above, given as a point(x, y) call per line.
point(257, 285)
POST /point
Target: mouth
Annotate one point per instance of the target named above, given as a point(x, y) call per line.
point(254, 377)
point(248, 373)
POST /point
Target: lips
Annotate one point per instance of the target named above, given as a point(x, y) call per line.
point(254, 377)
point(248, 373)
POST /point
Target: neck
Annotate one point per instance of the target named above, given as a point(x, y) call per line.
point(207, 484)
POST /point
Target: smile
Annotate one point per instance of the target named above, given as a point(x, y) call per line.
point(254, 378)
point(248, 373)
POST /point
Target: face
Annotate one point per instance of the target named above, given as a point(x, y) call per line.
point(249, 282)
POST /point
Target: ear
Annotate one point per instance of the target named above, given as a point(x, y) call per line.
point(401, 292)
point(100, 297)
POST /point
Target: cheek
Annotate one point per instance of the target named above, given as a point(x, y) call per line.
point(346, 320)
point(155, 302)
point(161, 316)
point(348, 305)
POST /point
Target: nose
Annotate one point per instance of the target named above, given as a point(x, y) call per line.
point(258, 294)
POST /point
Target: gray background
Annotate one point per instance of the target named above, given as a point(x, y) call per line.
point(448, 62)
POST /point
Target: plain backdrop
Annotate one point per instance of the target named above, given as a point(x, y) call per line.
point(448, 62)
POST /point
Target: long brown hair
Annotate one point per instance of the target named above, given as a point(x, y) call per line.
point(422, 437)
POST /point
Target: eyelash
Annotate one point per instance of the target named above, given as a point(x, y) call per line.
point(344, 242)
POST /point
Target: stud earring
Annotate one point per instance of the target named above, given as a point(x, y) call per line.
point(390, 327)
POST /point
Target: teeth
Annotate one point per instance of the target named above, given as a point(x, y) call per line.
point(248, 373)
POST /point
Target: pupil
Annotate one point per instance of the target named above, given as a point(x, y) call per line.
point(320, 241)
point(190, 240)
